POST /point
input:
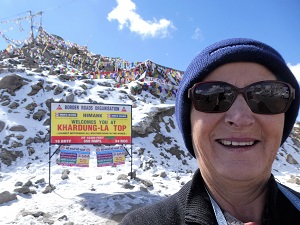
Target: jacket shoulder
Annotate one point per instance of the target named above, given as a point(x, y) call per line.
point(170, 210)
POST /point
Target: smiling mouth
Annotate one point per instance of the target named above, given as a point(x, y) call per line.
point(237, 143)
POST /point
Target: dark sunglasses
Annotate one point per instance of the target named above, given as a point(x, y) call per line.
point(264, 97)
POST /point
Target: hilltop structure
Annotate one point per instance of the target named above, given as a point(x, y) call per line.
point(52, 55)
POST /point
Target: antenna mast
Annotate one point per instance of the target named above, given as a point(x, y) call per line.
point(31, 27)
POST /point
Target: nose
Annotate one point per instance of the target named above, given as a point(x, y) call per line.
point(239, 114)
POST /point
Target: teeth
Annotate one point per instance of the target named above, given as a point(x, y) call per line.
point(235, 143)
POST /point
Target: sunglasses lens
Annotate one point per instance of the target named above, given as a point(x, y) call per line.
point(268, 97)
point(213, 97)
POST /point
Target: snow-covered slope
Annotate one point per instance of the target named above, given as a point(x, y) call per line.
point(93, 195)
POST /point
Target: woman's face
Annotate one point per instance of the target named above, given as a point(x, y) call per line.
point(239, 125)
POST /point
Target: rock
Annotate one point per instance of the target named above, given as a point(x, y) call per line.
point(141, 151)
point(20, 137)
point(16, 144)
point(49, 189)
point(7, 197)
point(6, 103)
point(30, 151)
point(99, 177)
point(69, 223)
point(34, 214)
point(19, 184)
point(38, 139)
point(158, 139)
point(2, 125)
point(294, 179)
point(7, 157)
point(58, 90)
point(48, 102)
point(145, 182)
point(29, 141)
point(122, 177)
point(40, 181)
point(70, 97)
point(28, 183)
point(39, 115)
point(48, 221)
point(163, 174)
point(36, 88)
point(23, 190)
point(132, 175)
point(64, 217)
point(12, 82)
point(47, 138)
point(47, 122)
point(127, 186)
point(18, 128)
point(143, 189)
point(65, 174)
point(14, 105)
point(290, 159)
point(31, 106)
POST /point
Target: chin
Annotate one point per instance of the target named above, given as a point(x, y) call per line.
point(243, 173)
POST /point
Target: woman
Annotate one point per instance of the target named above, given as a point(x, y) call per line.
point(242, 101)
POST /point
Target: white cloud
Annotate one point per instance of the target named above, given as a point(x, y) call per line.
point(197, 34)
point(296, 70)
point(126, 15)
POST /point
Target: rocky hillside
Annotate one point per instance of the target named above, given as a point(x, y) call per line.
point(52, 70)
point(32, 75)
point(43, 72)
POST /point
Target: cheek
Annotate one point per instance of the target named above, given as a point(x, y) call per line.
point(275, 125)
point(273, 130)
point(203, 123)
point(196, 129)
point(197, 123)
point(202, 128)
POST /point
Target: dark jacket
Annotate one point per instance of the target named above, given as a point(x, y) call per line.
point(191, 205)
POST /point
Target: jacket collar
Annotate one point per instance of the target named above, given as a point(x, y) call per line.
point(198, 206)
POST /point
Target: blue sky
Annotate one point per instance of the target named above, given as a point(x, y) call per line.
point(168, 32)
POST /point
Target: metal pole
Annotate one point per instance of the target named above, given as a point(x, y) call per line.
point(31, 22)
point(49, 164)
point(41, 19)
point(131, 176)
point(50, 157)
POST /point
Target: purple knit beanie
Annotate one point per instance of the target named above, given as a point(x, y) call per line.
point(226, 51)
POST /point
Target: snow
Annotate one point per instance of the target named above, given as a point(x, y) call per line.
point(82, 198)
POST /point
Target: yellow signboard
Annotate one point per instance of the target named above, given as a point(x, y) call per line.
point(79, 123)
